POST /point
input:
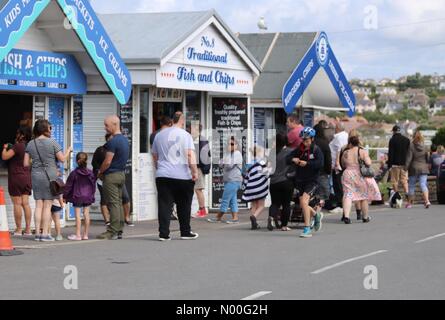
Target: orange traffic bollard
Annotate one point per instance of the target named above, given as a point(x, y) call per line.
point(6, 248)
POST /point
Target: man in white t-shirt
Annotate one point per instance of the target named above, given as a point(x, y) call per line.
point(176, 172)
point(340, 141)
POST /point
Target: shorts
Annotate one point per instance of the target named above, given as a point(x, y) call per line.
point(200, 183)
point(308, 187)
point(125, 195)
point(398, 175)
point(55, 209)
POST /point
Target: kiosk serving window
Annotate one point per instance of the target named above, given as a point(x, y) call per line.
point(193, 109)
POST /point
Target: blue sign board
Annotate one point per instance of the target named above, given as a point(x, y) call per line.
point(99, 46)
point(15, 19)
point(320, 55)
point(45, 72)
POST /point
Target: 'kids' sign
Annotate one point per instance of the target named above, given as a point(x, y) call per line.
point(99, 46)
point(44, 72)
point(17, 16)
point(15, 19)
point(320, 55)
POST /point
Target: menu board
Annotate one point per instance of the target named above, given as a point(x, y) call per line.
point(57, 119)
point(308, 117)
point(39, 107)
point(126, 117)
point(77, 127)
point(229, 118)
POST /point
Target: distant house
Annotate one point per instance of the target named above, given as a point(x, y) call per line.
point(362, 96)
point(361, 90)
point(442, 86)
point(386, 90)
point(411, 93)
point(368, 82)
point(392, 108)
point(402, 80)
point(362, 106)
point(435, 79)
point(385, 98)
point(438, 106)
point(385, 82)
point(419, 102)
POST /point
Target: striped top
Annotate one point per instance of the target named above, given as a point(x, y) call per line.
point(256, 183)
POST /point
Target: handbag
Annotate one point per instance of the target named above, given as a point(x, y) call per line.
point(55, 186)
point(366, 171)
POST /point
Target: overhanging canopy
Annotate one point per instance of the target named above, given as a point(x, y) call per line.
point(17, 16)
point(318, 80)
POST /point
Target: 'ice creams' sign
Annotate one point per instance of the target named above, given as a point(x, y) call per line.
point(99, 46)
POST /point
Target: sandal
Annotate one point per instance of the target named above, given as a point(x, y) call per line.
point(286, 229)
point(73, 237)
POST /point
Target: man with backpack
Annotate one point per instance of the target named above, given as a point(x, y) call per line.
point(204, 167)
point(308, 161)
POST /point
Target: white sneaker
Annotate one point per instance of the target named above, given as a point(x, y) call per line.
point(337, 210)
point(190, 236)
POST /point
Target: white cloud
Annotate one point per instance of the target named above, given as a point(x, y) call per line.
point(380, 53)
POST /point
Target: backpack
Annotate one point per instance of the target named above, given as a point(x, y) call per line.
point(205, 167)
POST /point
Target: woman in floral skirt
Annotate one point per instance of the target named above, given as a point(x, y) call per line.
point(357, 188)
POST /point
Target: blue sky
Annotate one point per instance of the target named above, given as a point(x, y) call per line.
point(409, 37)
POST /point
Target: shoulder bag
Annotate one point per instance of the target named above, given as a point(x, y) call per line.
point(56, 186)
point(366, 171)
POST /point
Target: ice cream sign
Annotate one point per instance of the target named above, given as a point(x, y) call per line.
point(99, 46)
point(38, 71)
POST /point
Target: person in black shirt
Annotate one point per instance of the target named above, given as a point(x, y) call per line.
point(98, 159)
point(308, 161)
point(325, 174)
point(397, 155)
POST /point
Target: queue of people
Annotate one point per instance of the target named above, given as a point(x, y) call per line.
point(305, 167)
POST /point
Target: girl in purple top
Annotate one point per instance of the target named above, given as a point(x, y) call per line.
point(79, 190)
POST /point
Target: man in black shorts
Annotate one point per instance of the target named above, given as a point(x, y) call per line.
point(308, 161)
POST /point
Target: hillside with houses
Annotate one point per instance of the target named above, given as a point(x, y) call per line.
point(421, 93)
point(413, 102)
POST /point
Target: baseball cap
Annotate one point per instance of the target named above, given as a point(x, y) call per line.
point(396, 129)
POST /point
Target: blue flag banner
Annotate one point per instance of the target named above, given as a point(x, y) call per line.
point(99, 46)
point(45, 72)
point(320, 55)
point(299, 80)
point(15, 19)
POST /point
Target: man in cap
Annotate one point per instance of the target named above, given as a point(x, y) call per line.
point(397, 155)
